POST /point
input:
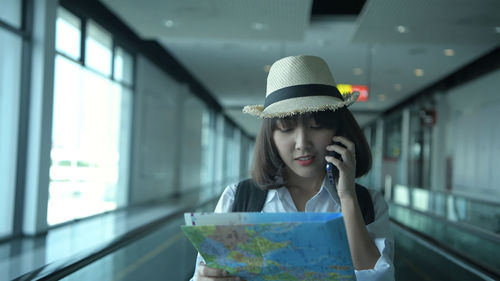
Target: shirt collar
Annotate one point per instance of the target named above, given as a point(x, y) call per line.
point(325, 186)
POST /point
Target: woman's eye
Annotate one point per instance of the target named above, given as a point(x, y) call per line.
point(284, 129)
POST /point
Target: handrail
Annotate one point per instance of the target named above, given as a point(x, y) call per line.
point(461, 194)
point(63, 268)
point(484, 215)
point(470, 265)
point(472, 229)
point(458, 194)
point(473, 259)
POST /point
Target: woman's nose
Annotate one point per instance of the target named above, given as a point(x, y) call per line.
point(302, 140)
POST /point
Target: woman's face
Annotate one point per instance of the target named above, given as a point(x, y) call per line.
point(301, 143)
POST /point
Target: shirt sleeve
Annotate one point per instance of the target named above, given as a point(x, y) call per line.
point(224, 205)
point(379, 230)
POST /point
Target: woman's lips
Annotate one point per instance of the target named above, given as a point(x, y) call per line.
point(305, 160)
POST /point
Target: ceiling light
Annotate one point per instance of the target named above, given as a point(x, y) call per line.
point(267, 68)
point(169, 23)
point(398, 87)
point(259, 26)
point(357, 71)
point(497, 29)
point(449, 52)
point(382, 97)
point(402, 29)
point(419, 72)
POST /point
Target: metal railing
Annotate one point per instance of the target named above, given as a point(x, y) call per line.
point(451, 224)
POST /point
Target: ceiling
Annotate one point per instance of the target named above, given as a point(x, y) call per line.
point(227, 44)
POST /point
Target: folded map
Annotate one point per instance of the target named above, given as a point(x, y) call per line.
point(273, 246)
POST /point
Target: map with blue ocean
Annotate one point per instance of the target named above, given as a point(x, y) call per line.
point(273, 246)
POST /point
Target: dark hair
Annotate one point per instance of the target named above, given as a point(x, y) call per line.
point(267, 165)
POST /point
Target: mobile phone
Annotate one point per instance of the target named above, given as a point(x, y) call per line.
point(332, 171)
point(335, 154)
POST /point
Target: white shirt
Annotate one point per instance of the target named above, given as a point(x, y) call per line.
point(327, 200)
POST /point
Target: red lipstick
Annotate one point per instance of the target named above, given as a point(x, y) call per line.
point(305, 160)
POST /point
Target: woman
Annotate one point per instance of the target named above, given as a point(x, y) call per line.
point(305, 120)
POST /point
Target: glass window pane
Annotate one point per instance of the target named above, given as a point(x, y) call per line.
point(192, 159)
point(88, 144)
point(208, 144)
point(123, 66)
point(393, 138)
point(10, 12)
point(68, 33)
point(98, 46)
point(10, 71)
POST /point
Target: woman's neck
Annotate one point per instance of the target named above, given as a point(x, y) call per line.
point(304, 186)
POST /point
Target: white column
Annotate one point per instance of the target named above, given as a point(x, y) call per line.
point(40, 119)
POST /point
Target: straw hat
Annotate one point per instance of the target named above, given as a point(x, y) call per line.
point(300, 84)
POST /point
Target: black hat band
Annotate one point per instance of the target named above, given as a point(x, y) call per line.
point(297, 91)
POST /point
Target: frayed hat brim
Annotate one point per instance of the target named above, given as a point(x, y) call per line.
point(258, 110)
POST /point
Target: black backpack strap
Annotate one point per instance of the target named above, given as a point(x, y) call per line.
point(365, 204)
point(249, 197)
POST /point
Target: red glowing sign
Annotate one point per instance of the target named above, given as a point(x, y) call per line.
point(347, 89)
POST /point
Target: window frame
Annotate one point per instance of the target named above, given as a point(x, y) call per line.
point(81, 61)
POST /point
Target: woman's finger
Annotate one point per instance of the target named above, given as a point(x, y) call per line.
point(204, 270)
point(347, 156)
point(337, 163)
point(229, 278)
point(345, 141)
point(349, 152)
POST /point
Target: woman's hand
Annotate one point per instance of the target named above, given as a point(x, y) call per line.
point(206, 273)
point(346, 166)
point(364, 252)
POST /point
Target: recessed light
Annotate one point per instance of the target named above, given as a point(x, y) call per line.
point(169, 23)
point(259, 26)
point(449, 52)
point(398, 87)
point(267, 68)
point(357, 71)
point(419, 72)
point(382, 97)
point(402, 29)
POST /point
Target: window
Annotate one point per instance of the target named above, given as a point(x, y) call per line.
point(191, 142)
point(123, 66)
point(208, 146)
point(68, 34)
point(91, 124)
point(10, 12)
point(10, 75)
point(393, 138)
point(98, 46)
